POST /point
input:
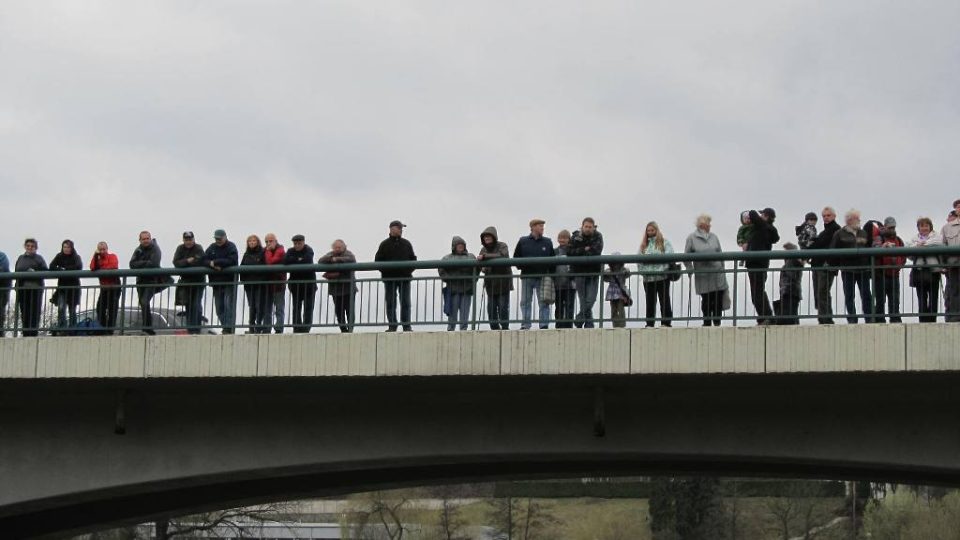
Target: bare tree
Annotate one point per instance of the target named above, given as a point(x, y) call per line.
point(379, 516)
point(236, 520)
point(519, 519)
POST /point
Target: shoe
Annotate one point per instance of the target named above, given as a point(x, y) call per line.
point(149, 332)
point(392, 329)
point(408, 328)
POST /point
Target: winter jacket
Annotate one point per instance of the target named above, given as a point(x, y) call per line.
point(806, 235)
point(497, 280)
point(791, 278)
point(306, 278)
point(5, 283)
point(68, 288)
point(275, 256)
point(744, 232)
point(823, 241)
point(223, 257)
point(458, 280)
point(561, 273)
point(654, 271)
point(253, 257)
point(708, 276)
point(617, 278)
point(108, 261)
point(931, 240)
point(530, 247)
point(764, 237)
point(395, 248)
point(30, 263)
point(180, 257)
point(146, 257)
point(847, 238)
point(950, 235)
point(893, 263)
point(342, 283)
point(582, 245)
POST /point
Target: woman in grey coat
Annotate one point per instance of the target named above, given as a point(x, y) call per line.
point(709, 280)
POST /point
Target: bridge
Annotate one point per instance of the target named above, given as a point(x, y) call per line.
point(103, 430)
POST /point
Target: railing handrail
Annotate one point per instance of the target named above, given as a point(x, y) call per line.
point(821, 254)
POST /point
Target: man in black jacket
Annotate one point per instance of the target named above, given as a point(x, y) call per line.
point(586, 242)
point(220, 255)
point(396, 281)
point(823, 276)
point(190, 289)
point(302, 284)
point(764, 236)
point(147, 255)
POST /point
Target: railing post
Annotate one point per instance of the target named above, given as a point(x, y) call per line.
point(475, 297)
point(733, 303)
point(123, 306)
point(600, 296)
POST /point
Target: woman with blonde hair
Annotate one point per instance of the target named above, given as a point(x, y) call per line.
point(255, 287)
point(656, 280)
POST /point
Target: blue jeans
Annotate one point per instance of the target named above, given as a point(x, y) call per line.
point(459, 310)
point(887, 292)
point(587, 287)
point(857, 279)
point(225, 301)
point(194, 307)
point(498, 311)
point(64, 306)
point(275, 309)
point(392, 289)
point(529, 285)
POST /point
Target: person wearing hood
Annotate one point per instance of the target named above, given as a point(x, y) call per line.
point(708, 277)
point(67, 295)
point(30, 290)
point(147, 255)
point(586, 242)
point(459, 283)
point(255, 287)
point(853, 273)
point(534, 245)
point(5, 284)
point(108, 302)
point(302, 284)
point(341, 286)
point(763, 238)
point(823, 274)
point(564, 285)
point(220, 255)
point(497, 280)
point(396, 282)
point(950, 235)
point(190, 289)
point(807, 231)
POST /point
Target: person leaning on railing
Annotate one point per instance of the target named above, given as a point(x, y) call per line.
point(951, 237)
point(67, 295)
point(586, 242)
point(458, 285)
point(4, 292)
point(708, 278)
point(341, 287)
point(925, 275)
point(853, 271)
point(886, 276)
point(824, 273)
point(255, 287)
point(219, 256)
point(108, 301)
point(532, 246)
point(497, 280)
point(656, 281)
point(274, 254)
point(563, 284)
point(190, 288)
point(147, 255)
point(302, 284)
point(30, 290)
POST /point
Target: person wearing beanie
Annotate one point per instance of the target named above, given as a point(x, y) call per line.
point(886, 275)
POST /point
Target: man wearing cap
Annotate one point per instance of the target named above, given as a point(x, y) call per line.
point(886, 275)
point(221, 255)
point(396, 281)
point(302, 284)
point(764, 236)
point(533, 245)
point(190, 287)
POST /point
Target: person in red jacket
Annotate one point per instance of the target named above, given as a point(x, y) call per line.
point(274, 254)
point(109, 300)
point(886, 276)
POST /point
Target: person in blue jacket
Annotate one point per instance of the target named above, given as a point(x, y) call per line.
point(533, 245)
point(220, 255)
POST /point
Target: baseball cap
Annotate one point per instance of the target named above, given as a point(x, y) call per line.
point(890, 222)
point(219, 233)
point(188, 235)
point(298, 238)
point(397, 223)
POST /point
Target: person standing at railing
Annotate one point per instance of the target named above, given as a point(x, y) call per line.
point(791, 277)
point(147, 255)
point(67, 295)
point(341, 287)
point(853, 270)
point(459, 284)
point(302, 284)
point(5, 284)
point(586, 242)
point(618, 294)
point(274, 254)
point(764, 237)
point(656, 281)
point(190, 288)
point(534, 245)
point(824, 275)
point(220, 255)
point(30, 290)
point(396, 282)
point(108, 302)
point(886, 276)
point(564, 284)
point(497, 280)
point(708, 278)
point(950, 233)
point(255, 287)
point(925, 275)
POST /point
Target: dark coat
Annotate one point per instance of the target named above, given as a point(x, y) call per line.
point(307, 278)
point(30, 263)
point(341, 282)
point(498, 280)
point(224, 257)
point(458, 280)
point(823, 241)
point(763, 238)
point(847, 239)
point(180, 261)
point(530, 247)
point(254, 257)
point(585, 246)
point(68, 287)
point(395, 249)
point(146, 257)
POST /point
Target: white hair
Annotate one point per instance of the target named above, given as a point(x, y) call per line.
point(852, 213)
point(703, 219)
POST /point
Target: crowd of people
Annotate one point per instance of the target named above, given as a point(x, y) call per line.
point(551, 273)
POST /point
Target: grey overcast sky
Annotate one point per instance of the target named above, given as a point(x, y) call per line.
point(332, 118)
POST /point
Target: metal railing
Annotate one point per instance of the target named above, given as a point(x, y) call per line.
point(32, 311)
